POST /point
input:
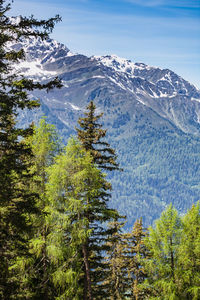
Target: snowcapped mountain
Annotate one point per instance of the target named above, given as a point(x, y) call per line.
point(165, 83)
point(153, 87)
point(39, 53)
point(152, 116)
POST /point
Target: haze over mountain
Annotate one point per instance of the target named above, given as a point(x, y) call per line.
point(152, 116)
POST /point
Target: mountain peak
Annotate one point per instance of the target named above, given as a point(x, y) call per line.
point(120, 64)
point(42, 57)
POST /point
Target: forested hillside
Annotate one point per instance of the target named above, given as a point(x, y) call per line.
point(159, 168)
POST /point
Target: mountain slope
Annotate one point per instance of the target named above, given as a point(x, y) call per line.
point(152, 116)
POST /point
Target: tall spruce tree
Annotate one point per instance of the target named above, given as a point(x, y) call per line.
point(91, 136)
point(17, 202)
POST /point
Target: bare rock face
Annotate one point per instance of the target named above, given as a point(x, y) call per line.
point(152, 116)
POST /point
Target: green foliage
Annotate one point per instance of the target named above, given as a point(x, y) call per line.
point(137, 252)
point(91, 136)
point(162, 267)
point(77, 212)
point(189, 255)
point(116, 263)
point(173, 264)
point(37, 271)
point(17, 201)
point(160, 168)
point(45, 144)
point(125, 255)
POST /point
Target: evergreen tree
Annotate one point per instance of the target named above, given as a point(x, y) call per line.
point(126, 253)
point(162, 266)
point(138, 253)
point(116, 263)
point(91, 136)
point(16, 201)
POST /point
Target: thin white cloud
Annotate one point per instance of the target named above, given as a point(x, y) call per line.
point(147, 3)
point(172, 3)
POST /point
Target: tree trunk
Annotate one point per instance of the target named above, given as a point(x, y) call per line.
point(87, 273)
point(45, 275)
point(172, 258)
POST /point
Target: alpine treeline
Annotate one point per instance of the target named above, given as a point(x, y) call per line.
point(59, 239)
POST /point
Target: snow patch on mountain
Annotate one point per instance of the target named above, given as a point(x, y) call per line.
point(121, 64)
point(75, 107)
point(117, 83)
point(34, 68)
point(195, 99)
point(39, 53)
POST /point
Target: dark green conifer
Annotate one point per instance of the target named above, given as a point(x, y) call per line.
point(17, 202)
point(91, 136)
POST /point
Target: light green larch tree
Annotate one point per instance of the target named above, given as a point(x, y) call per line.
point(189, 255)
point(38, 267)
point(162, 266)
point(79, 214)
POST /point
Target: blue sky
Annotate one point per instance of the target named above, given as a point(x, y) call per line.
point(163, 33)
